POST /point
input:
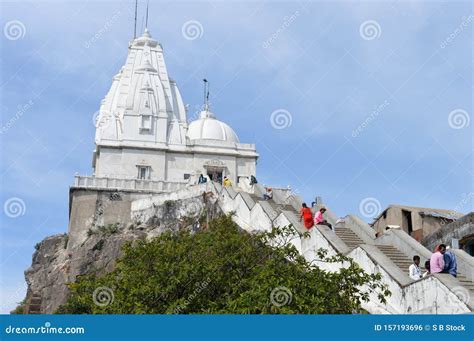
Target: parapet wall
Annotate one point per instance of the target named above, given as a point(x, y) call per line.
point(89, 208)
point(458, 229)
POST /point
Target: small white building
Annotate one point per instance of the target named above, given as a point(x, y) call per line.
point(143, 133)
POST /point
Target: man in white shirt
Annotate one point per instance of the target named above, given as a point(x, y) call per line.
point(414, 270)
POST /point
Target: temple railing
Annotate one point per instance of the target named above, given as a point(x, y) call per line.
point(158, 186)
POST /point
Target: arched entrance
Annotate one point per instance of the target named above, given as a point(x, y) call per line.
point(215, 170)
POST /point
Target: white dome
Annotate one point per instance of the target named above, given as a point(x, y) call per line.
point(207, 127)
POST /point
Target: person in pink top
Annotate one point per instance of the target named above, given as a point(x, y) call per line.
point(437, 259)
point(319, 218)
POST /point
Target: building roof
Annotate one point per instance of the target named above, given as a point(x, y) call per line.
point(432, 212)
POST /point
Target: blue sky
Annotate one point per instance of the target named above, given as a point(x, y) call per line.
point(378, 94)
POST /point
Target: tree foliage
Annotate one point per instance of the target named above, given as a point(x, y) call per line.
point(223, 269)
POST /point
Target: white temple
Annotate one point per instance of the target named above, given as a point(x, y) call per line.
point(142, 131)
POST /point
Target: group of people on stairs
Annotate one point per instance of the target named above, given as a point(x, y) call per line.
point(442, 261)
point(306, 215)
point(226, 182)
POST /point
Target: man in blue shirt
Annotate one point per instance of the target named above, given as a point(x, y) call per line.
point(450, 265)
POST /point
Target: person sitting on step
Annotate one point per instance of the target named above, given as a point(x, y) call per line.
point(414, 270)
point(319, 218)
point(269, 193)
point(437, 259)
point(450, 264)
point(427, 268)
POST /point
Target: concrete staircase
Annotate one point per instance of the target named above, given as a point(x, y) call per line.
point(399, 258)
point(390, 255)
point(273, 204)
point(349, 237)
point(466, 283)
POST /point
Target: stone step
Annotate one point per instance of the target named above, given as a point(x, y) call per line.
point(351, 239)
point(467, 281)
point(401, 260)
point(348, 237)
point(33, 305)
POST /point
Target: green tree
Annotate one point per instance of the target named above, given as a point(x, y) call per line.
point(223, 270)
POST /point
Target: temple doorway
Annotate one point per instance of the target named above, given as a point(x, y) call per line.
point(215, 174)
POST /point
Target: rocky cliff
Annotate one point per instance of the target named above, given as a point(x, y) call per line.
point(55, 263)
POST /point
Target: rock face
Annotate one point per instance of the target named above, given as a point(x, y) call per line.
point(55, 263)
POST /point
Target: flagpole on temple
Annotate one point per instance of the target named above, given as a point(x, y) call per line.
point(146, 20)
point(206, 94)
point(135, 26)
